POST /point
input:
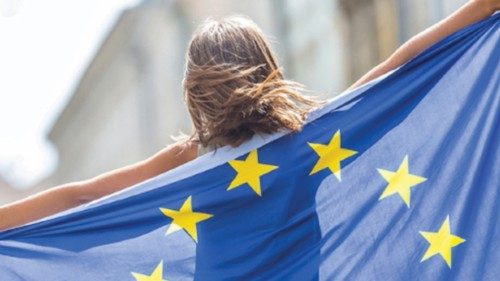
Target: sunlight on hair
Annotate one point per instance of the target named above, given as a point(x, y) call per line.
point(234, 87)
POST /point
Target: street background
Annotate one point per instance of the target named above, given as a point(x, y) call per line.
point(125, 102)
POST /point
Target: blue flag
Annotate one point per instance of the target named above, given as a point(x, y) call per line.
point(397, 180)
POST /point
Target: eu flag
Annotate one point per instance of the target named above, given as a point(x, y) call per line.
point(397, 180)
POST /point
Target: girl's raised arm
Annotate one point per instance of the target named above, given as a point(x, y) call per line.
point(70, 195)
point(469, 13)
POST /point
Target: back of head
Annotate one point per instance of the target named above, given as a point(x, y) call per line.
point(234, 88)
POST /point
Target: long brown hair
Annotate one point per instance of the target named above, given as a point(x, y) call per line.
point(234, 87)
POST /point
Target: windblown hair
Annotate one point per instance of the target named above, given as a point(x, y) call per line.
point(234, 88)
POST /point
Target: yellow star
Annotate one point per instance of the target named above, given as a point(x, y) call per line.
point(400, 182)
point(249, 171)
point(185, 219)
point(330, 155)
point(441, 242)
point(157, 274)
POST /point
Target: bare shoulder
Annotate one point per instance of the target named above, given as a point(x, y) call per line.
point(172, 156)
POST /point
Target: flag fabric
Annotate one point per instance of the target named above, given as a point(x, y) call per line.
point(396, 180)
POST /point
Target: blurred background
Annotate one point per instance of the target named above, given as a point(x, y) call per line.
point(89, 86)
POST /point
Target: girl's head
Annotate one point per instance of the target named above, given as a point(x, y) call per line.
point(234, 87)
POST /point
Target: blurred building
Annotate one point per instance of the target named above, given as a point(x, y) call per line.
point(129, 101)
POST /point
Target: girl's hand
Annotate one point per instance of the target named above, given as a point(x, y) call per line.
point(488, 6)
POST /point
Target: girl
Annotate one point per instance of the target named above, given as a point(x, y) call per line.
point(234, 89)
